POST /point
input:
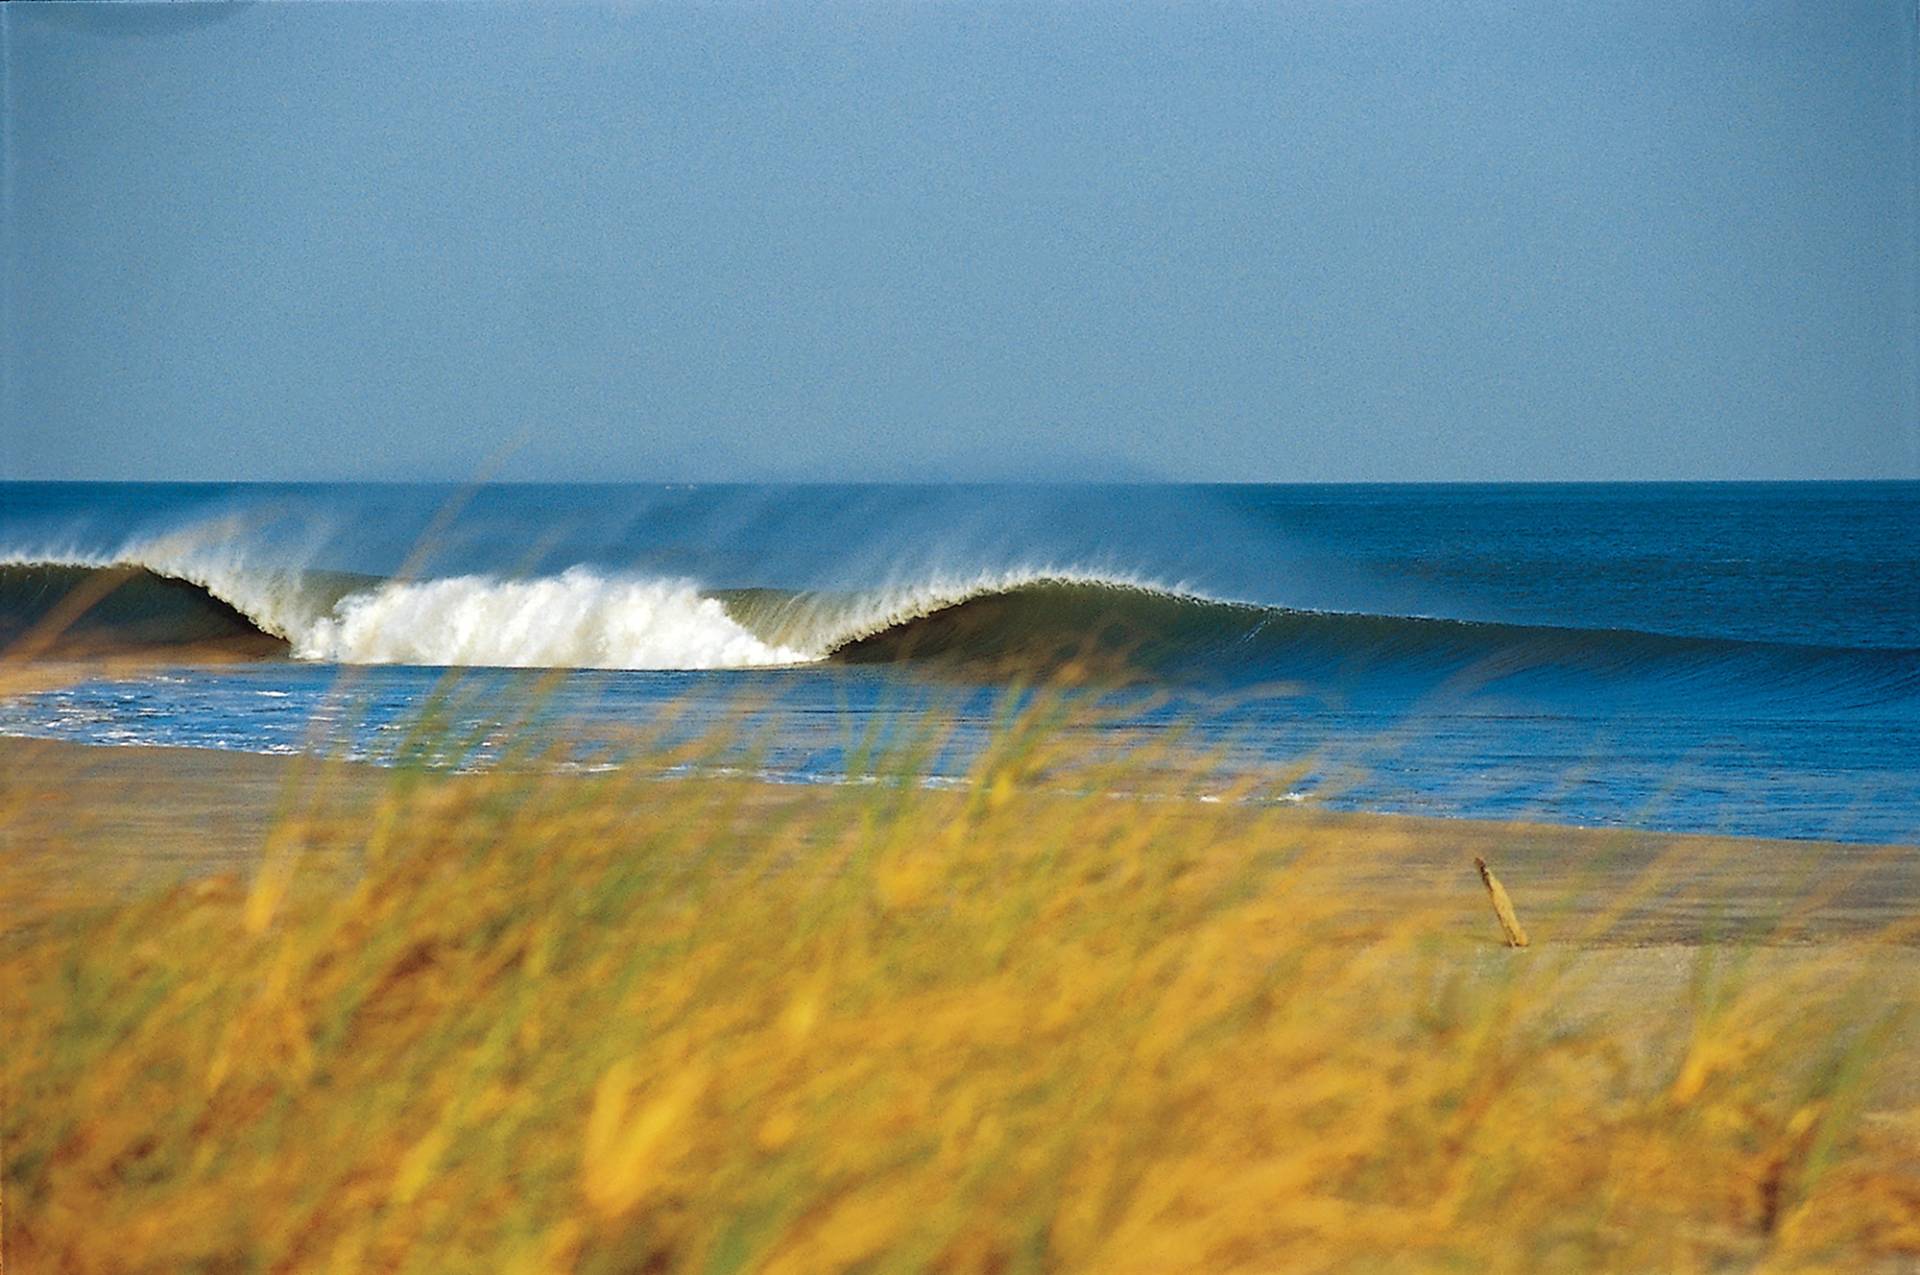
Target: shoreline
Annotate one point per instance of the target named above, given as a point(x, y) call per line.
point(90, 820)
point(162, 904)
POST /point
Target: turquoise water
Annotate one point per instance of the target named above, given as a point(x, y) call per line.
point(1741, 658)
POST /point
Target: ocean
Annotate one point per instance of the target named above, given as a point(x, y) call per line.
point(1728, 658)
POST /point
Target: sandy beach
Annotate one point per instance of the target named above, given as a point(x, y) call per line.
point(165, 854)
point(80, 819)
point(87, 825)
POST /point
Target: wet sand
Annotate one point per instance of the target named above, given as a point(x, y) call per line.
point(1630, 912)
point(76, 817)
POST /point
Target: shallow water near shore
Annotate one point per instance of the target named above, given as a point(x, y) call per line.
point(1718, 658)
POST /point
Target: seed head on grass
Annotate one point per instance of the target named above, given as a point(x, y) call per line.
point(614, 1023)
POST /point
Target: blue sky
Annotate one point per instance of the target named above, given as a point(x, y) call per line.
point(1285, 241)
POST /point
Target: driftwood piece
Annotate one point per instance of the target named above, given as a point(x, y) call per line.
point(1502, 906)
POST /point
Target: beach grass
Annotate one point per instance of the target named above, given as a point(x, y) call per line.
point(530, 1020)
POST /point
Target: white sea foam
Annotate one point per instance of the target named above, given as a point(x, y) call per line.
point(578, 619)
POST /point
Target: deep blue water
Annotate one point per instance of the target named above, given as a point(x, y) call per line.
point(1741, 658)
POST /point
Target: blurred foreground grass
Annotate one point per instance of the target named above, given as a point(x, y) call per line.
point(529, 1021)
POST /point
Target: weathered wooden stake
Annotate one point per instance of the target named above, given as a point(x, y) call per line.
point(1502, 905)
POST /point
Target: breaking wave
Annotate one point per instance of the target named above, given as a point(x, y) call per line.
point(578, 619)
point(583, 618)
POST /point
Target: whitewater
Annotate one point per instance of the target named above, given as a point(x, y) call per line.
point(1709, 659)
point(580, 618)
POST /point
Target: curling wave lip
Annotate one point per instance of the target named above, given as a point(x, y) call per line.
point(591, 619)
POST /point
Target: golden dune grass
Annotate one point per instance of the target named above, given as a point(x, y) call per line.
point(533, 1022)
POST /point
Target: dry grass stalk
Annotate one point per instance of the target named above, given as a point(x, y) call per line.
point(604, 1024)
point(1502, 906)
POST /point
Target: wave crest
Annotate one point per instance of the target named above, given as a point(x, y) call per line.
point(578, 619)
point(1030, 621)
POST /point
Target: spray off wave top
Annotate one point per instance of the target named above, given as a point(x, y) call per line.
point(579, 618)
point(585, 618)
